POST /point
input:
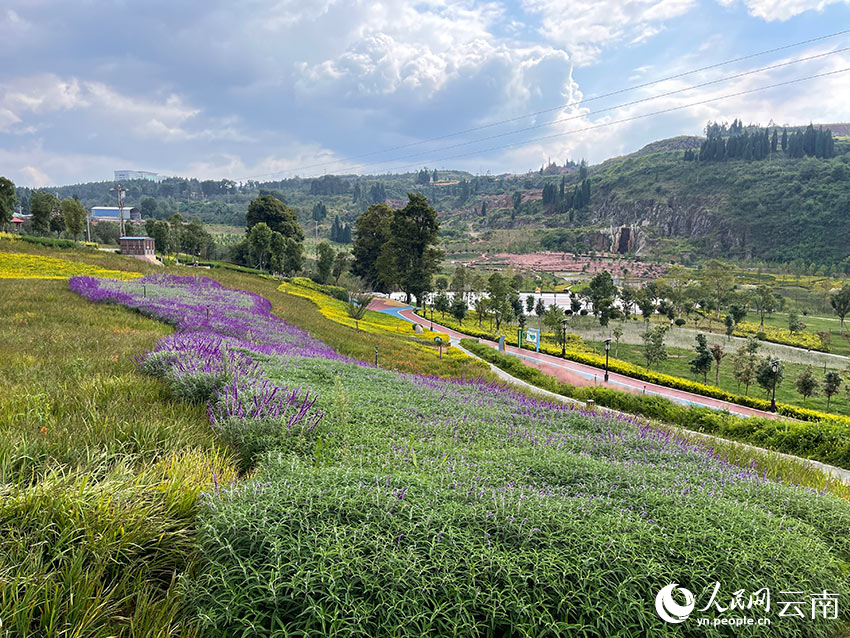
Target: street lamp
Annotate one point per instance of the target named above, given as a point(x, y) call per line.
point(564, 338)
point(774, 367)
point(120, 191)
point(607, 350)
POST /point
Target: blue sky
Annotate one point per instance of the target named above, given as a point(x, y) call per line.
point(267, 89)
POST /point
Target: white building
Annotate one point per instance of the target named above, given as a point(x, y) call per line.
point(127, 174)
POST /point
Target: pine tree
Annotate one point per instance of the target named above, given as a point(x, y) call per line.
point(784, 139)
point(484, 209)
point(773, 141)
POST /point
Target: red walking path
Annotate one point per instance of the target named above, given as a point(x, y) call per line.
point(583, 375)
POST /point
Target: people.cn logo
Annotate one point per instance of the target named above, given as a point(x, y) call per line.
point(671, 611)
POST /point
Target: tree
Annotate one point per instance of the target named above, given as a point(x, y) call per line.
point(176, 224)
point(442, 284)
point(717, 278)
point(459, 309)
point(161, 236)
point(325, 256)
point(7, 201)
point(147, 207)
point(356, 308)
point(484, 209)
point(42, 207)
point(498, 291)
point(517, 200)
point(794, 324)
point(717, 354)
point(293, 256)
point(74, 216)
point(553, 319)
point(765, 302)
point(701, 363)
point(831, 383)
point(765, 377)
point(269, 210)
point(373, 231)
point(646, 304)
point(602, 292)
point(460, 282)
point(340, 265)
point(260, 242)
point(617, 332)
point(744, 363)
point(320, 211)
point(529, 304)
point(806, 384)
point(442, 303)
point(840, 302)
point(57, 223)
point(653, 345)
point(411, 257)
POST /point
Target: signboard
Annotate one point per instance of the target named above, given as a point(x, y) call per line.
point(532, 336)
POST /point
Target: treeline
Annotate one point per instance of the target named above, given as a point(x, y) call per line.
point(560, 199)
point(757, 143)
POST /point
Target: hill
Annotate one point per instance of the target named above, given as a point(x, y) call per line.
point(652, 204)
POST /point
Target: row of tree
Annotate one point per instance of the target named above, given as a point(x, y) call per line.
point(398, 248)
point(759, 144)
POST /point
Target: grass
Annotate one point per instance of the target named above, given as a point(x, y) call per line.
point(677, 365)
point(100, 471)
point(415, 507)
point(412, 506)
point(822, 441)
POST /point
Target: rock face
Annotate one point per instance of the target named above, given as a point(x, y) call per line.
point(632, 225)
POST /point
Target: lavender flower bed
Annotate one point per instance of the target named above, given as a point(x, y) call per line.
point(212, 358)
point(388, 504)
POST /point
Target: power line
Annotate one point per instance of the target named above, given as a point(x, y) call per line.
point(605, 110)
point(633, 118)
point(562, 106)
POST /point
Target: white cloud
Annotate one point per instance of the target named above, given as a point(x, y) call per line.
point(168, 119)
point(34, 177)
point(287, 162)
point(586, 27)
point(770, 10)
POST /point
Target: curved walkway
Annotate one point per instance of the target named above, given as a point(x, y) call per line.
point(583, 375)
point(406, 313)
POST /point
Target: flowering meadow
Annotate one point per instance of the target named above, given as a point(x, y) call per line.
point(379, 503)
point(23, 266)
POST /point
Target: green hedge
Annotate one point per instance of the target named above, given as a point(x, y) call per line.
point(824, 441)
point(53, 242)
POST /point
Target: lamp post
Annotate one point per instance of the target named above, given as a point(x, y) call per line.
point(774, 367)
point(120, 191)
point(564, 338)
point(607, 350)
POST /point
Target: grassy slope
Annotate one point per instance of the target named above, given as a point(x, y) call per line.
point(99, 470)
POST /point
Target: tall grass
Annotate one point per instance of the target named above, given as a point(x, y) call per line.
point(100, 471)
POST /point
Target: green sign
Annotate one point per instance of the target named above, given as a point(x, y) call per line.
point(438, 340)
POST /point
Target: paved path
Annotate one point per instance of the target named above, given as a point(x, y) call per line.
point(583, 375)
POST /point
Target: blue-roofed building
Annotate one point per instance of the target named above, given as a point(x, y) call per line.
point(111, 213)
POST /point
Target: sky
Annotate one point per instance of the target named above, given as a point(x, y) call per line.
point(264, 89)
